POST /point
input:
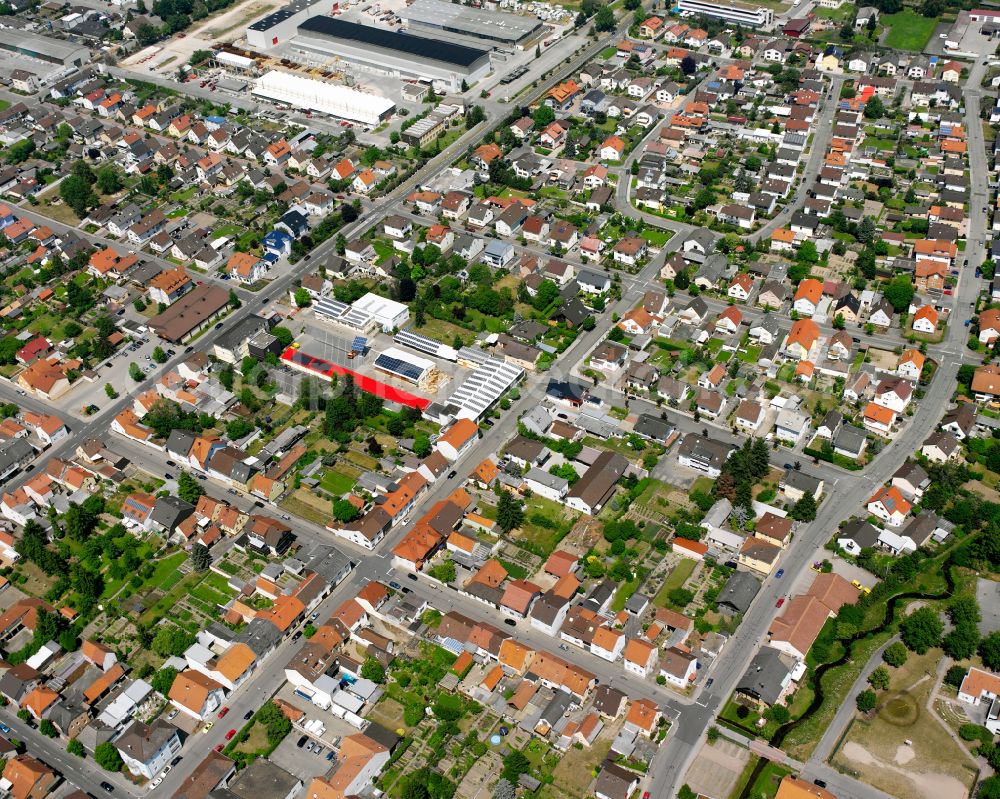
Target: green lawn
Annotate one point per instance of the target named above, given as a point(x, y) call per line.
point(606, 53)
point(336, 482)
point(676, 579)
point(5, 104)
point(908, 30)
point(656, 237)
point(167, 568)
point(624, 593)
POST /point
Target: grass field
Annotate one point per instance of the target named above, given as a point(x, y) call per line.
point(908, 30)
point(337, 483)
point(903, 749)
point(676, 579)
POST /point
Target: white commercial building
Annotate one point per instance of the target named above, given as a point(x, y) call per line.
point(325, 98)
point(280, 26)
point(754, 16)
point(403, 365)
point(482, 389)
point(389, 314)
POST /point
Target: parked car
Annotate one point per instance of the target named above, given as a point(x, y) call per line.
point(248, 715)
point(107, 786)
point(780, 602)
point(510, 622)
point(395, 586)
point(223, 712)
point(302, 741)
point(230, 734)
point(411, 576)
point(780, 573)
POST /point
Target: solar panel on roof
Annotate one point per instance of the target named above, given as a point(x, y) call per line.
point(331, 307)
point(418, 342)
point(398, 367)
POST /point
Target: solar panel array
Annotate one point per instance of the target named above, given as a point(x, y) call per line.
point(360, 344)
point(418, 342)
point(473, 355)
point(487, 383)
point(399, 367)
point(331, 307)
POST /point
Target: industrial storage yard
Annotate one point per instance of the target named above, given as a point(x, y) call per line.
point(349, 61)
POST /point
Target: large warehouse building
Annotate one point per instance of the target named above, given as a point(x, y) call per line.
point(325, 98)
point(283, 24)
point(401, 55)
point(471, 25)
point(44, 48)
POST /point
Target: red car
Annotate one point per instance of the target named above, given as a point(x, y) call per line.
point(780, 602)
point(223, 712)
point(645, 795)
point(230, 734)
point(217, 747)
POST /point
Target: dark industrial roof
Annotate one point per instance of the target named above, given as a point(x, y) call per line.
point(403, 43)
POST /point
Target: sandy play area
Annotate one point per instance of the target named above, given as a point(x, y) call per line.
point(905, 749)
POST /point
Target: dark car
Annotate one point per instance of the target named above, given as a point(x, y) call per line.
point(452, 474)
point(218, 325)
point(820, 783)
point(708, 683)
point(510, 622)
point(780, 573)
point(411, 576)
point(107, 786)
point(302, 741)
point(248, 715)
point(395, 586)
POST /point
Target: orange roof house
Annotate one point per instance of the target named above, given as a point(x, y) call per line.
point(417, 546)
point(783, 235)
point(486, 472)
point(810, 290)
point(796, 788)
point(190, 691)
point(802, 336)
point(925, 317)
point(689, 548)
point(491, 573)
point(643, 714)
point(564, 91)
point(561, 563)
point(516, 656)
point(235, 662)
point(986, 381)
point(39, 700)
point(29, 777)
point(457, 438)
point(285, 611)
point(566, 586)
point(879, 415)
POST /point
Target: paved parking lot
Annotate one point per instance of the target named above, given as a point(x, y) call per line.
point(988, 596)
point(115, 371)
point(304, 765)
